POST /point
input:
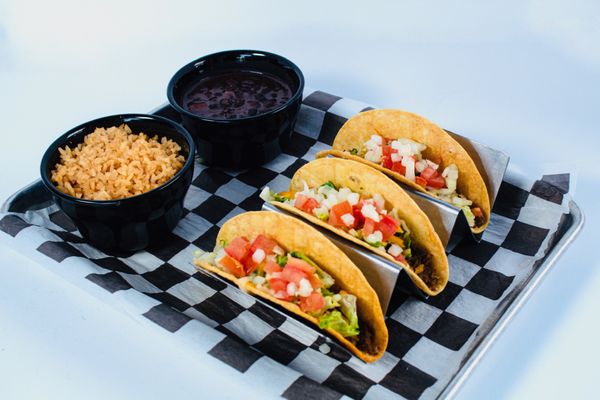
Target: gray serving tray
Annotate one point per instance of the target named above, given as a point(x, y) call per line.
point(487, 333)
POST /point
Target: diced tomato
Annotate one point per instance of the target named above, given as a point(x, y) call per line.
point(369, 227)
point(314, 281)
point(388, 226)
point(386, 162)
point(291, 274)
point(264, 243)
point(233, 266)
point(337, 211)
point(271, 266)
point(386, 150)
point(306, 268)
point(400, 258)
point(299, 264)
point(399, 168)
point(313, 303)
point(477, 212)
point(358, 217)
point(305, 203)
point(437, 182)
point(429, 173)
point(238, 248)
point(249, 264)
point(279, 286)
point(421, 181)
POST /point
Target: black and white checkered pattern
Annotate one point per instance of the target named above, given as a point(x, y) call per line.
point(429, 339)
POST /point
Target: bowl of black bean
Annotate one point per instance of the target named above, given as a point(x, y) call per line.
point(240, 105)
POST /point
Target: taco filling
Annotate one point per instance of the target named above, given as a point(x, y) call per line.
point(404, 156)
point(292, 277)
point(365, 218)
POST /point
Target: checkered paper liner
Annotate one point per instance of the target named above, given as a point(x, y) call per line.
point(429, 339)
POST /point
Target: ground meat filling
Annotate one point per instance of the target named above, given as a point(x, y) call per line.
point(421, 263)
point(366, 340)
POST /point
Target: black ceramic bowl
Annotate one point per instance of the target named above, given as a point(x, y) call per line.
point(245, 141)
point(132, 223)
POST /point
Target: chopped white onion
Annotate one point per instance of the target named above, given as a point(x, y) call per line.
point(374, 154)
point(374, 237)
point(348, 219)
point(343, 194)
point(278, 250)
point(450, 173)
point(432, 164)
point(353, 198)
point(421, 165)
point(396, 157)
point(258, 280)
point(330, 201)
point(291, 289)
point(407, 147)
point(409, 164)
point(369, 211)
point(305, 288)
point(377, 139)
point(395, 250)
point(258, 256)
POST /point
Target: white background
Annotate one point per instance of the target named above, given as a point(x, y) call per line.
point(521, 76)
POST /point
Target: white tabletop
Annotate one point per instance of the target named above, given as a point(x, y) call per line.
point(520, 76)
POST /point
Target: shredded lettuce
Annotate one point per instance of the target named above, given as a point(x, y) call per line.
point(406, 240)
point(279, 197)
point(330, 184)
point(325, 278)
point(348, 306)
point(281, 260)
point(336, 321)
point(469, 215)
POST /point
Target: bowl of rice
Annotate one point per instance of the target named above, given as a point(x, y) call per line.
point(122, 179)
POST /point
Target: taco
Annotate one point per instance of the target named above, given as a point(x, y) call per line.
point(366, 207)
point(419, 154)
point(288, 262)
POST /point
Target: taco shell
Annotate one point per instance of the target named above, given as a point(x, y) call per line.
point(295, 235)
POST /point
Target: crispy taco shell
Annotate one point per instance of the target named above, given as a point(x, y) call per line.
point(395, 124)
point(367, 181)
point(295, 235)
